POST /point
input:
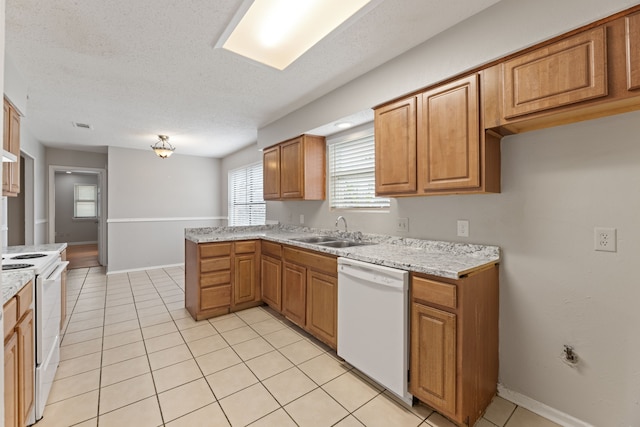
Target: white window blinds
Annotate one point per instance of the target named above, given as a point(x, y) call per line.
point(85, 201)
point(352, 175)
point(246, 206)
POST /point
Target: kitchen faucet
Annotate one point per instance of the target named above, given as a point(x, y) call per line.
point(344, 220)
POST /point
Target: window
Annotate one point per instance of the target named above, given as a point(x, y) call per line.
point(352, 181)
point(246, 206)
point(85, 200)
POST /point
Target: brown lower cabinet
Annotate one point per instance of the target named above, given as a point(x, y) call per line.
point(271, 274)
point(454, 343)
point(221, 277)
point(310, 292)
point(19, 357)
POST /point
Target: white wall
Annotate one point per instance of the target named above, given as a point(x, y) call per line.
point(31, 147)
point(152, 201)
point(68, 229)
point(240, 158)
point(558, 184)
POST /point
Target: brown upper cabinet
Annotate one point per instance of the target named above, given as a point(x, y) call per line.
point(432, 143)
point(395, 147)
point(295, 169)
point(632, 39)
point(586, 74)
point(11, 143)
point(566, 72)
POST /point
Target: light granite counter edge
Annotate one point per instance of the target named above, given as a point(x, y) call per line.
point(13, 281)
point(436, 258)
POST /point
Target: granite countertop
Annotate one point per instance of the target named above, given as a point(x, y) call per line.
point(48, 247)
point(442, 259)
point(13, 281)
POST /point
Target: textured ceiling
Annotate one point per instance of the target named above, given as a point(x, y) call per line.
point(135, 69)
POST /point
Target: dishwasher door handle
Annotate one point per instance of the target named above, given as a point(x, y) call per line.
point(371, 276)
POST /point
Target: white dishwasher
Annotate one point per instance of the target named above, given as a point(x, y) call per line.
point(373, 319)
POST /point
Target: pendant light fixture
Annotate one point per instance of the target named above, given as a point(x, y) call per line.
point(163, 148)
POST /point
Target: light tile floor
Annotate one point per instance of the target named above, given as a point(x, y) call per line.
point(132, 356)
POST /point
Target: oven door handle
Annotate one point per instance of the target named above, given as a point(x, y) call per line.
point(55, 275)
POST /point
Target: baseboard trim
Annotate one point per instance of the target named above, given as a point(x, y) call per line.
point(91, 242)
point(132, 270)
point(540, 408)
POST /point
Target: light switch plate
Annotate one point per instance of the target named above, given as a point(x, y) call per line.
point(463, 228)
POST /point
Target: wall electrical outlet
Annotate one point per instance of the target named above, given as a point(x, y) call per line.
point(604, 239)
point(463, 228)
point(402, 225)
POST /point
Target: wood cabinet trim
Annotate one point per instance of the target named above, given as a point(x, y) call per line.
point(632, 44)
point(10, 316)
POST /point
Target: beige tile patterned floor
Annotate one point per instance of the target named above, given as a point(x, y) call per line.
point(132, 356)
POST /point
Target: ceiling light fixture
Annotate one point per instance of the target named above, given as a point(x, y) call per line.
point(344, 125)
point(163, 148)
point(277, 32)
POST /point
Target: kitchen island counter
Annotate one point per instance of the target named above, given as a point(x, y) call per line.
point(437, 258)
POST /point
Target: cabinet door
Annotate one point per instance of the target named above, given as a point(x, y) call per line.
point(633, 51)
point(395, 139)
point(563, 73)
point(292, 169)
point(433, 357)
point(271, 278)
point(26, 352)
point(11, 385)
point(14, 143)
point(245, 280)
point(322, 307)
point(294, 288)
point(271, 173)
point(6, 170)
point(449, 137)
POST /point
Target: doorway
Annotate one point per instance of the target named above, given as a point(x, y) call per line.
point(20, 209)
point(77, 210)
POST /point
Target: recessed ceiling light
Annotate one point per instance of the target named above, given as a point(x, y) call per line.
point(344, 125)
point(277, 32)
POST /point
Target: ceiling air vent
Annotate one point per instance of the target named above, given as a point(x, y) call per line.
point(81, 125)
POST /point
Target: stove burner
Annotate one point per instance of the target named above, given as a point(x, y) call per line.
point(15, 266)
point(29, 256)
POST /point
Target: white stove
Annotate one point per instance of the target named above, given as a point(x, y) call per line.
point(36, 261)
point(48, 268)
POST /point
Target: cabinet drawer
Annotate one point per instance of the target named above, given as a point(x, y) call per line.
point(10, 314)
point(216, 278)
point(245, 247)
point(318, 262)
point(208, 250)
point(434, 292)
point(25, 298)
point(273, 249)
point(215, 264)
point(215, 297)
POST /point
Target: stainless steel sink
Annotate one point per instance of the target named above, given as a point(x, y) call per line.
point(316, 239)
point(342, 244)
